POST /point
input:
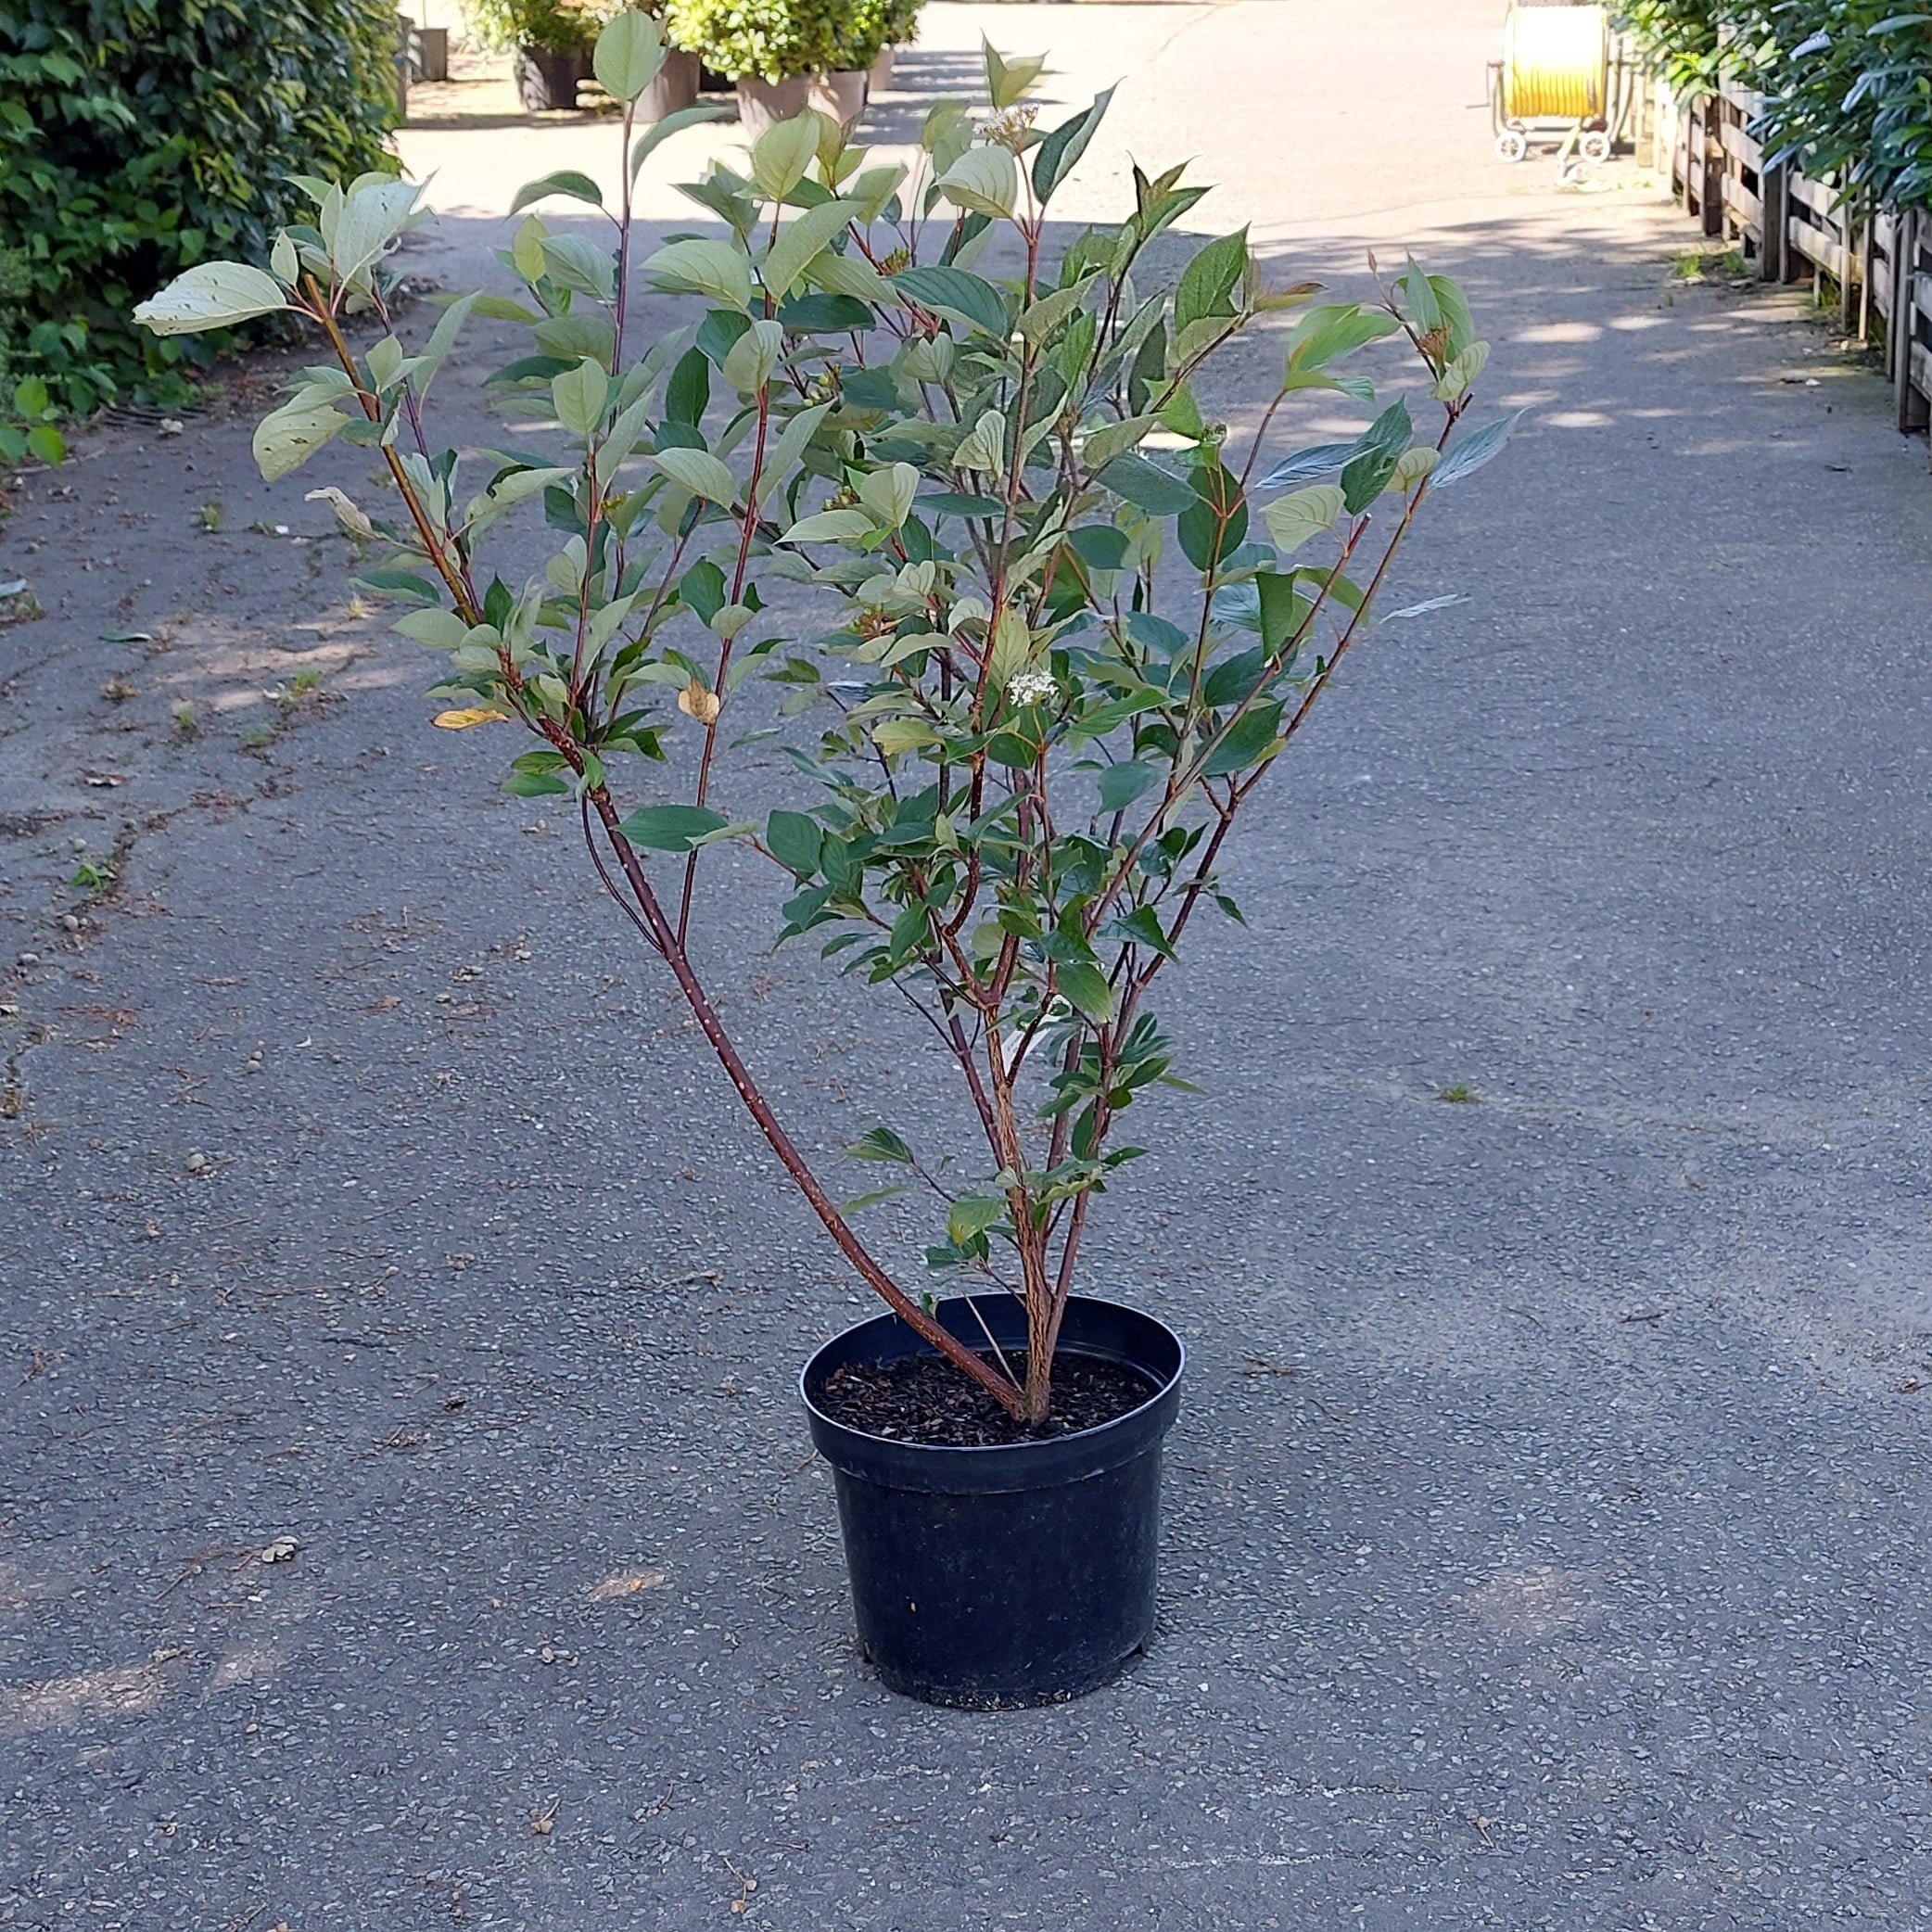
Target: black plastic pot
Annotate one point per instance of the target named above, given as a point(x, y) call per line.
point(1009, 1576)
point(545, 80)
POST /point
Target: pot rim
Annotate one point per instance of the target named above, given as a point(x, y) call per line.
point(991, 1466)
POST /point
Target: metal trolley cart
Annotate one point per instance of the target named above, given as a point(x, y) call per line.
point(1554, 83)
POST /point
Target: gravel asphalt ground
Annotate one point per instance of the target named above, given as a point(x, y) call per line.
point(1548, 1519)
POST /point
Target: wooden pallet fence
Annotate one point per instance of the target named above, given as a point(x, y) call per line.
point(1909, 315)
point(1696, 160)
point(1751, 199)
point(1792, 228)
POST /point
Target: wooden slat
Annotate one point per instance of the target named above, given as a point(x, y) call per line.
point(1820, 249)
point(1815, 196)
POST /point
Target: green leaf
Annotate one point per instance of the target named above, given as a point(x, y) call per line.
point(702, 268)
point(1463, 458)
point(441, 628)
point(888, 493)
point(801, 242)
point(671, 828)
point(1455, 307)
point(1147, 485)
point(842, 525)
point(781, 154)
point(795, 841)
point(565, 181)
point(579, 396)
point(1293, 519)
point(1412, 466)
point(1248, 740)
point(1112, 439)
point(576, 262)
point(373, 213)
point(689, 389)
point(983, 446)
point(879, 1144)
point(953, 502)
point(1308, 466)
point(628, 55)
point(46, 442)
point(985, 181)
point(211, 294)
point(1208, 281)
point(1086, 988)
point(1143, 927)
point(399, 583)
point(286, 437)
point(1460, 372)
point(1424, 312)
point(971, 1215)
point(702, 590)
point(749, 361)
point(1376, 456)
point(955, 291)
point(701, 473)
point(1282, 608)
point(1007, 81)
point(533, 784)
point(673, 125)
point(1040, 320)
point(1327, 334)
point(1215, 524)
point(1055, 158)
point(1099, 546)
point(1122, 783)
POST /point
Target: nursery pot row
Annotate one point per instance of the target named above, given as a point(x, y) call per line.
point(763, 104)
point(547, 81)
point(1017, 1574)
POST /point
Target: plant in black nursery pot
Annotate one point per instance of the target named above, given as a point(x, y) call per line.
point(551, 40)
point(912, 493)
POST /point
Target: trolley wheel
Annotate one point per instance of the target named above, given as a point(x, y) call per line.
point(1511, 145)
point(1595, 146)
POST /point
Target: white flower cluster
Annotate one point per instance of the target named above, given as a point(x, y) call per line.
point(1035, 685)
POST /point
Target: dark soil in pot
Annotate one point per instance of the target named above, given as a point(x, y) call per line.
point(923, 1399)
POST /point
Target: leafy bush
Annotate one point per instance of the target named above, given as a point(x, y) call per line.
point(1846, 84)
point(1679, 39)
point(871, 26)
point(557, 26)
point(1058, 622)
point(139, 136)
point(770, 39)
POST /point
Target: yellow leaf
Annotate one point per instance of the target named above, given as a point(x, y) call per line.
point(694, 701)
point(470, 714)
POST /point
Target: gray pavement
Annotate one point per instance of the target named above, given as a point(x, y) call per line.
point(1546, 1534)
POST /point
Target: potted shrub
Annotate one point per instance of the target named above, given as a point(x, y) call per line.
point(551, 42)
point(895, 469)
point(877, 27)
point(782, 55)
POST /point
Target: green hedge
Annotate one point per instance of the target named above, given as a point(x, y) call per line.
point(140, 136)
point(1846, 84)
point(777, 39)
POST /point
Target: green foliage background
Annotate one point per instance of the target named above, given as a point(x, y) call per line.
point(560, 27)
point(140, 136)
point(1846, 84)
point(776, 39)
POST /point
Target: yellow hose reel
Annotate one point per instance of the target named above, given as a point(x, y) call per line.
point(1554, 78)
